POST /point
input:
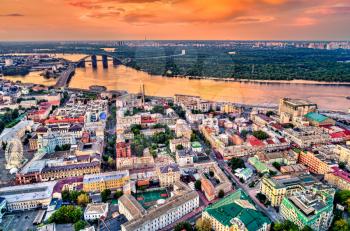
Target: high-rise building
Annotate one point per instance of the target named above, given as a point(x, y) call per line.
point(313, 208)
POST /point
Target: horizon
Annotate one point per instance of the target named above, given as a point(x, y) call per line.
point(106, 20)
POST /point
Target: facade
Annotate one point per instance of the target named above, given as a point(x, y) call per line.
point(277, 187)
point(292, 110)
point(236, 212)
point(315, 162)
point(95, 211)
point(344, 153)
point(338, 178)
point(306, 136)
point(313, 208)
point(50, 141)
point(183, 202)
point(168, 175)
point(2, 208)
point(108, 180)
point(123, 149)
point(27, 197)
point(185, 142)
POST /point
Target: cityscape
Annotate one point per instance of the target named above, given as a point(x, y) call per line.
point(174, 115)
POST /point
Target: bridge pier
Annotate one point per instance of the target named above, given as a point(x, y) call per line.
point(81, 63)
point(116, 62)
point(104, 61)
point(94, 61)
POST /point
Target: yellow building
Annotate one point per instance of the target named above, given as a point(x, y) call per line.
point(338, 178)
point(291, 110)
point(276, 188)
point(344, 153)
point(168, 175)
point(109, 180)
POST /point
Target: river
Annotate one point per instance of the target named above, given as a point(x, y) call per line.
point(329, 97)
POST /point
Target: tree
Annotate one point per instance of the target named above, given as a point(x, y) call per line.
point(65, 195)
point(183, 226)
point(203, 224)
point(236, 163)
point(83, 199)
point(66, 214)
point(244, 134)
point(270, 113)
point(261, 135)
point(111, 162)
point(340, 225)
point(285, 226)
point(211, 173)
point(118, 194)
point(221, 193)
point(105, 195)
point(79, 225)
point(276, 165)
point(179, 147)
point(306, 228)
point(198, 185)
point(342, 165)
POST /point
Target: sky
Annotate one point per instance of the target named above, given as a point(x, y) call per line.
point(29, 20)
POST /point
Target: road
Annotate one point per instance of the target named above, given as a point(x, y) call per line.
point(270, 212)
point(64, 77)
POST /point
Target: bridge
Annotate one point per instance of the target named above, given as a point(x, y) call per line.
point(66, 75)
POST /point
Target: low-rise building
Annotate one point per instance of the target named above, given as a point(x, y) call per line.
point(338, 178)
point(183, 202)
point(316, 163)
point(317, 119)
point(258, 165)
point(108, 180)
point(236, 212)
point(96, 211)
point(184, 142)
point(244, 173)
point(27, 197)
point(168, 175)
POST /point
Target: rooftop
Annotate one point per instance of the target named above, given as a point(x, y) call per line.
point(105, 176)
point(237, 206)
point(316, 117)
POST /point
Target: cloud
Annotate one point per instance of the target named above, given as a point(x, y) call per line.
point(12, 15)
point(329, 10)
point(304, 21)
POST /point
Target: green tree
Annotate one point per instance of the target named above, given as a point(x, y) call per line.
point(118, 194)
point(244, 134)
point(183, 226)
point(198, 185)
point(342, 165)
point(236, 163)
point(66, 214)
point(261, 135)
point(221, 193)
point(65, 195)
point(79, 225)
point(340, 225)
point(105, 194)
point(285, 226)
point(203, 224)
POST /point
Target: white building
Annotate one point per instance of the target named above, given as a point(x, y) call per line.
point(27, 197)
point(95, 211)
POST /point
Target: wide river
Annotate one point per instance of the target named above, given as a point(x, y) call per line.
point(330, 97)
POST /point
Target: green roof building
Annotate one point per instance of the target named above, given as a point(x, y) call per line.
point(258, 165)
point(236, 212)
point(317, 119)
point(313, 208)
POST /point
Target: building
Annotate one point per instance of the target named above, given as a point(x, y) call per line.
point(316, 119)
point(123, 149)
point(3, 205)
point(183, 202)
point(306, 136)
point(185, 157)
point(95, 211)
point(27, 197)
point(211, 186)
point(316, 163)
point(244, 173)
point(236, 212)
point(108, 180)
point(196, 146)
point(184, 142)
point(258, 165)
point(168, 175)
point(182, 129)
point(51, 140)
point(344, 153)
point(338, 178)
point(293, 110)
point(277, 187)
point(313, 208)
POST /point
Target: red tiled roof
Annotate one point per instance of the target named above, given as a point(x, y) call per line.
point(253, 141)
point(340, 173)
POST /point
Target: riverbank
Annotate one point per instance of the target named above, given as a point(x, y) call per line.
point(261, 81)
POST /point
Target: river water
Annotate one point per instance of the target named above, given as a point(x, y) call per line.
point(330, 97)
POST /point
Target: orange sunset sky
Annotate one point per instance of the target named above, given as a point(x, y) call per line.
point(174, 19)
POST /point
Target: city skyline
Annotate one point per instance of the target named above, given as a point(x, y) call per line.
point(174, 19)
